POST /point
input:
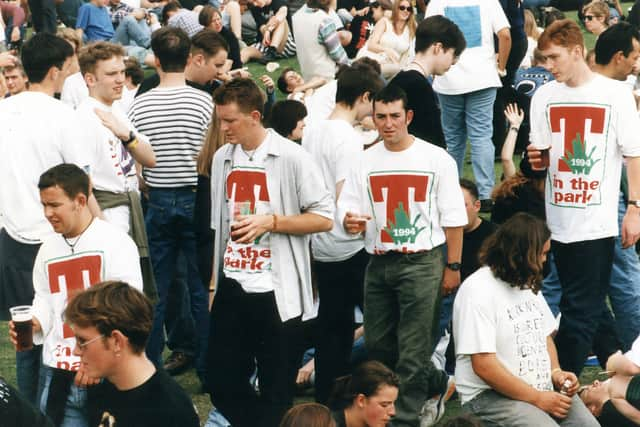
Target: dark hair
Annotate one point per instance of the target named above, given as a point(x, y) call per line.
point(282, 82)
point(365, 62)
point(319, 4)
point(465, 420)
point(353, 83)
point(171, 46)
point(208, 42)
point(244, 92)
point(92, 53)
point(171, 6)
point(308, 415)
point(551, 15)
point(285, 115)
point(438, 29)
point(471, 187)
point(514, 251)
point(391, 93)
point(67, 176)
point(206, 15)
point(366, 379)
point(618, 37)
point(42, 52)
point(110, 306)
point(133, 69)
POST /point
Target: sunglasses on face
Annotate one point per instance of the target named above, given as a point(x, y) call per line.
point(404, 8)
point(589, 17)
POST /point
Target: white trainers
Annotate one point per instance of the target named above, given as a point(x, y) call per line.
point(433, 409)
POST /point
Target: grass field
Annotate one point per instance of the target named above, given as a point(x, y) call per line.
point(189, 380)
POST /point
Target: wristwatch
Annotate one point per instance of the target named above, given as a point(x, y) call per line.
point(453, 266)
point(128, 141)
point(635, 203)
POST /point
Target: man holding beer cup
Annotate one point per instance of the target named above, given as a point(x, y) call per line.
point(582, 125)
point(86, 250)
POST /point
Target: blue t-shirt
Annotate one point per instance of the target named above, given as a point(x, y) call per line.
point(95, 22)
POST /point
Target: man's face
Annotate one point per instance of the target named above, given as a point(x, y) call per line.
point(445, 59)
point(472, 205)
point(392, 121)
point(627, 63)
point(16, 81)
point(62, 75)
point(107, 81)
point(214, 66)
point(293, 80)
point(235, 124)
point(561, 61)
point(593, 396)
point(62, 212)
point(98, 359)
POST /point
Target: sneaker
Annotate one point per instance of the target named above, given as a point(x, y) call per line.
point(270, 55)
point(433, 409)
point(177, 363)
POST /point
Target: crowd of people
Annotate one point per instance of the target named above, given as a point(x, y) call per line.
point(157, 200)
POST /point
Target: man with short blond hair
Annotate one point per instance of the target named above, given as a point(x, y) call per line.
point(15, 78)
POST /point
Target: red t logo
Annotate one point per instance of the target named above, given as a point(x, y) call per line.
point(397, 192)
point(245, 182)
point(575, 123)
point(75, 275)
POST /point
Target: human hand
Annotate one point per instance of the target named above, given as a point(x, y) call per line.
point(450, 281)
point(630, 227)
point(554, 404)
point(240, 73)
point(514, 115)
point(111, 122)
point(535, 157)
point(304, 374)
point(354, 223)
point(247, 228)
point(15, 34)
point(82, 379)
point(560, 377)
point(267, 82)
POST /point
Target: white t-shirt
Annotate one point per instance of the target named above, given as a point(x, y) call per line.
point(477, 67)
point(335, 145)
point(410, 195)
point(491, 316)
point(114, 168)
point(102, 252)
point(38, 132)
point(634, 354)
point(321, 102)
point(128, 95)
point(74, 90)
point(247, 192)
point(583, 182)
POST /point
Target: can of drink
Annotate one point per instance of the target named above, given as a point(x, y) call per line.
point(22, 322)
point(565, 387)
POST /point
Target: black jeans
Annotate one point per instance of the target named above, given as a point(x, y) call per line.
point(584, 269)
point(246, 329)
point(341, 287)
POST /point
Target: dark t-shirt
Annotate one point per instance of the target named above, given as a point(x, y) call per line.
point(234, 47)
point(426, 122)
point(361, 28)
point(611, 417)
point(159, 402)
point(472, 241)
point(15, 411)
point(339, 418)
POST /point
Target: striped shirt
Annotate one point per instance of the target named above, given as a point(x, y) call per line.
point(175, 120)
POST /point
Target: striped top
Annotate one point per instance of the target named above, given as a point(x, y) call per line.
point(175, 120)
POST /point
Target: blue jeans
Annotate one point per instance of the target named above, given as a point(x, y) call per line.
point(75, 411)
point(624, 289)
point(132, 32)
point(551, 288)
point(181, 331)
point(170, 228)
point(28, 373)
point(471, 115)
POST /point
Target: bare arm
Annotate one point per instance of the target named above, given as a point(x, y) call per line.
point(79, 32)
point(249, 227)
point(313, 83)
point(94, 207)
point(374, 41)
point(622, 365)
point(626, 409)
point(515, 116)
point(504, 47)
point(631, 220)
point(450, 278)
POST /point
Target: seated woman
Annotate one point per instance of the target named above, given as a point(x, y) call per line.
point(275, 40)
point(366, 397)
point(596, 17)
point(209, 17)
point(392, 39)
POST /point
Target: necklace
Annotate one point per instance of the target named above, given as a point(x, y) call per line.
point(72, 246)
point(249, 153)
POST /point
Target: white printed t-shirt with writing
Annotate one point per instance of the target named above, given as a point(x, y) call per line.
point(38, 132)
point(102, 252)
point(478, 20)
point(589, 128)
point(335, 145)
point(490, 316)
point(114, 168)
point(247, 193)
point(410, 195)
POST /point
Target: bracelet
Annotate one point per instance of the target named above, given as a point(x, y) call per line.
point(554, 370)
point(515, 128)
point(133, 144)
point(275, 223)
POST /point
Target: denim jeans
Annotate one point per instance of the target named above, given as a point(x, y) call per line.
point(624, 290)
point(178, 321)
point(401, 312)
point(170, 229)
point(471, 115)
point(584, 269)
point(216, 419)
point(133, 32)
point(551, 288)
point(28, 373)
point(496, 410)
point(75, 412)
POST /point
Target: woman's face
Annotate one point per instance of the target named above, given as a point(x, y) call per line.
point(378, 13)
point(594, 24)
point(404, 10)
point(380, 408)
point(216, 23)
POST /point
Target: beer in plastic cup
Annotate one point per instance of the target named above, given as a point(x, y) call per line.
point(545, 160)
point(22, 322)
point(239, 208)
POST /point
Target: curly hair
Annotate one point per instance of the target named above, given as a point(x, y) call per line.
point(515, 251)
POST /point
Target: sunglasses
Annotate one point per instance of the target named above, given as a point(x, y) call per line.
point(403, 8)
point(589, 17)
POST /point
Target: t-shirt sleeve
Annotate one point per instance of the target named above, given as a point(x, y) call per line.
point(449, 195)
point(312, 194)
point(83, 17)
point(474, 325)
point(351, 197)
point(540, 135)
point(628, 125)
point(499, 20)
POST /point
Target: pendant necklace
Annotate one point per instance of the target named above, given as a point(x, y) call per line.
point(72, 246)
